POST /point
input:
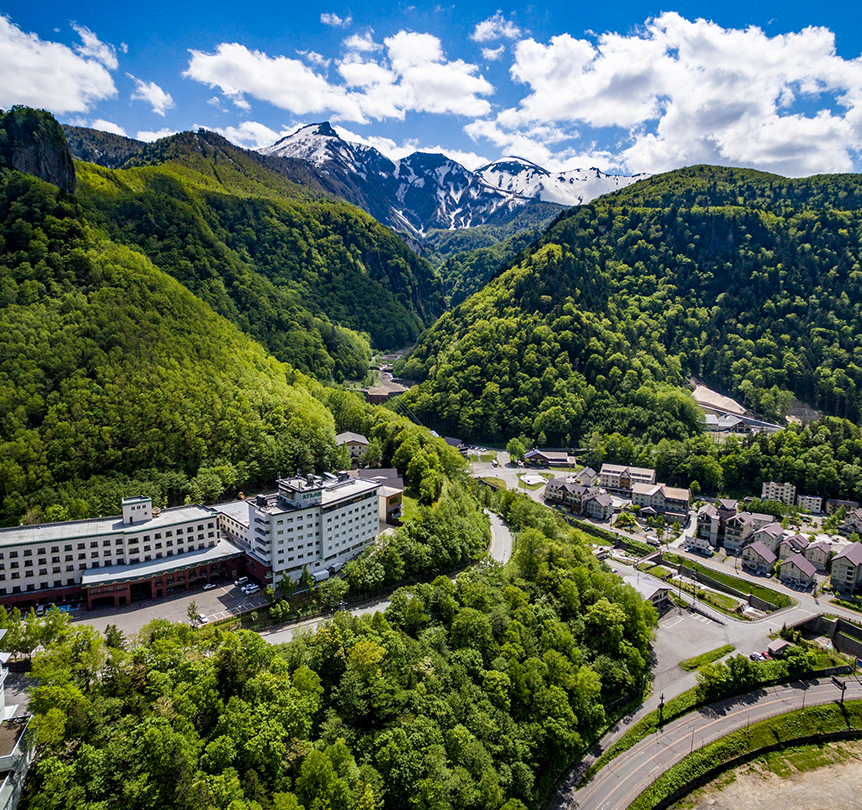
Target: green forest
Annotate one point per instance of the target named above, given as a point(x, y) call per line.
point(748, 281)
point(466, 694)
point(313, 279)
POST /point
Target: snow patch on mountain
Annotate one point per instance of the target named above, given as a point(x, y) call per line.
point(426, 190)
point(574, 187)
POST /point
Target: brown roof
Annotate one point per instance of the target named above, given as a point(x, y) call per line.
point(762, 550)
point(852, 553)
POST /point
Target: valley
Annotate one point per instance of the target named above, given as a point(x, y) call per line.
point(188, 325)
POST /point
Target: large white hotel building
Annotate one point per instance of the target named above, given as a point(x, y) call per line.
point(314, 522)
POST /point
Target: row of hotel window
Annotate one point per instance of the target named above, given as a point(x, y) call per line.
point(29, 570)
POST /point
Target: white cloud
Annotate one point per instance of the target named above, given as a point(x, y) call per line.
point(493, 54)
point(149, 135)
point(691, 91)
point(48, 74)
point(92, 48)
point(496, 27)
point(284, 82)
point(215, 101)
point(315, 58)
point(152, 94)
point(108, 126)
point(250, 134)
point(335, 21)
point(362, 42)
point(412, 74)
point(542, 144)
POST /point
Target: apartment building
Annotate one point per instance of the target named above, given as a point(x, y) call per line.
point(663, 499)
point(47, 562)
point(811, 503)
point(772, 491)
point(356, 443)
point(621, 479)
point(314, 522)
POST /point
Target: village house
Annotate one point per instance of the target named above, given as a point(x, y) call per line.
point(818, 554)
point(770, 535)
point(847, 568)
point(663, 499)
point(796, 570)
point(758, 558)
point(598, 506)
point(852, 523)
point(550, 458)
point(356, 444)
point(794, 544)
point(708, 524)
point(741, 526)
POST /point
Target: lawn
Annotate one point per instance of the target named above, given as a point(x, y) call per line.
point(780, 600)
point(698, 661)
point(494, 482)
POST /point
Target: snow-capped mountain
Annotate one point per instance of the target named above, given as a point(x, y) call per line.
point(424, 191)
point(575, 187)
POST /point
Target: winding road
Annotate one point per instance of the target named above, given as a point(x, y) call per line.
point(499, 549)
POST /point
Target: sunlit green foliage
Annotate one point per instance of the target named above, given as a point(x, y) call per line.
point(464, 695)
point(749, 281)
point(305, 275)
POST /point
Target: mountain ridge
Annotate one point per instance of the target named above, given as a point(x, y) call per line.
point(433, 191)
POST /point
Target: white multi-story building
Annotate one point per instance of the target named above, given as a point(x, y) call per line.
point(314, 522)
point(772, 491)
point(813, 503)
point(46, 562)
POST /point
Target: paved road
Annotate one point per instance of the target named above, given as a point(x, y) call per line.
point(500, 549)
point(616, 786)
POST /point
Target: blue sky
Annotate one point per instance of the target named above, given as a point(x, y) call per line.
point(629, 87)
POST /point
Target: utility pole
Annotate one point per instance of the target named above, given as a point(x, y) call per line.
point(661, 709)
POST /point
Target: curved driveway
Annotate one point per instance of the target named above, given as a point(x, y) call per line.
point(500, 549)
point(620, 782)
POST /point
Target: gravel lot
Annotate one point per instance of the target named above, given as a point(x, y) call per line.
point(829, 787)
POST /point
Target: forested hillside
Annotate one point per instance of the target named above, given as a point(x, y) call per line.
point(300, 272)
point(750, 281)
point(108, 367)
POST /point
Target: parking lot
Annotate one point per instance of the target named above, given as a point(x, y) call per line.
point(221, 602)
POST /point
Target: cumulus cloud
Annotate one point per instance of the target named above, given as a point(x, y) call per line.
point(51, 75)
point(315, 58)
point(149, 135)
point(362, 42)
point(92, 47)
point(250, 134)
point(493, 54)
point(412, 73)
point(544, 144)
point(152, 94)
point(496, 27)
point(108, 126)
point(686, 91)
point(335, 21)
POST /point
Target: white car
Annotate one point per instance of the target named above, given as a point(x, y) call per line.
point(209, 586)
point(202, 618)
point(250, 590)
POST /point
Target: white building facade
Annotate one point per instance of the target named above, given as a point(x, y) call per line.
point(772, 491)
point(44, 563)
point(314, 522)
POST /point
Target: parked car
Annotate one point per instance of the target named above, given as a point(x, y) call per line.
point(756, 656)
point(240, 581)
point(202, 618)
point(209, 586)
point(251, 590)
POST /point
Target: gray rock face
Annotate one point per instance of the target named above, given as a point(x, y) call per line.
point(32, 141)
